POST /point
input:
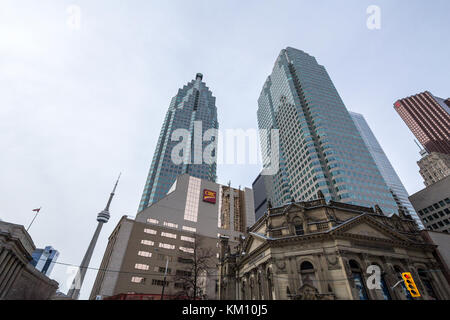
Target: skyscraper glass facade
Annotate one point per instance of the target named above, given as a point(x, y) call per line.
point(194, 104)
point(384, 165)
point(320, 147)
point(44, 259)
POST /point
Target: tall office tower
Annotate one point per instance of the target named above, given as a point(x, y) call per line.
point(44, 259)
point(428, 117)
point(320, 147)
point(193, 109)
point(384, 165)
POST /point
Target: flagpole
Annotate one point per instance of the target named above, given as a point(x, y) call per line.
point(33, 219)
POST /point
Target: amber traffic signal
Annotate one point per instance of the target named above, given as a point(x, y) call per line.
point(410, 285)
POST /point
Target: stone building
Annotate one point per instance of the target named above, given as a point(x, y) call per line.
point(322, 250)
point(434, 167)
point(19, 280)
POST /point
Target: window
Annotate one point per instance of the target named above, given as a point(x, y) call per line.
point(152, 221)
point(183, 273)
point(187, 250)
point(184, 260)
point(299, 229)
point(358, 280)
point(150, 231)
point(169, 235)
point(308, 274)
point(170, 225)
point(145, 254)
point(399, 272)
point(184, 238)
point(147, 242)
point(166, 246)
point(193, 196)
point(163, 270)
point(138, 279)
point(141, 266)
point(157, 282)
point(427, 283)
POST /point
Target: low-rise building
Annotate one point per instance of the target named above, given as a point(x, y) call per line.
point(323, 250)
point(19, 279)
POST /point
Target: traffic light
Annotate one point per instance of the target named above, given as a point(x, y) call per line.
point(410, 285)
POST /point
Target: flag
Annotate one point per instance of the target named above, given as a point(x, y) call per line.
point(37, 210)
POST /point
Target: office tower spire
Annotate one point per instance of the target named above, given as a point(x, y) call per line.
point(192, 110)
point(319, 145)
point(102, 217)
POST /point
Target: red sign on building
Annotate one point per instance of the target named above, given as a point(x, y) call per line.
point(209, 196)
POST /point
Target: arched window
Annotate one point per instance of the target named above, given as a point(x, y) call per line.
point(298, 225)
point(308, 273)
point(358, 279)
point(425, 278)
point(384, 287)
point(398, 273)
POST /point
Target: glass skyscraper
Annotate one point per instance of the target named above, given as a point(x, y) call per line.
point(320, 147)
point(384, 165)
point(194, 104)
point(44, 259)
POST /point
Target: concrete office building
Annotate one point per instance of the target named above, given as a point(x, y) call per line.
point(194, 105)
point(434, 167)
point(320, 147)
point(384, 165)
point(44, 259)
point(166, 231)
point(433, 205)
point(428, 117)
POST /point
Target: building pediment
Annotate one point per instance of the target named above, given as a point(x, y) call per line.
point(367, 226)
point(253, 242)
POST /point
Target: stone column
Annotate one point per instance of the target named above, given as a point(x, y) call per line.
point(5, 271)
point(3, 253)
point(264, 295)
point(15, 273)
point(8, 274)
point(7, 257)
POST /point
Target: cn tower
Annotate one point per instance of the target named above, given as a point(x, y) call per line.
point(102, 218)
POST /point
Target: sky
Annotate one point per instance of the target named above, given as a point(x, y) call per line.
point(85, 85)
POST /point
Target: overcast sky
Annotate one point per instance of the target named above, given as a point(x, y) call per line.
point(78, 106)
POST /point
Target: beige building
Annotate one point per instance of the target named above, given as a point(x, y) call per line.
point(320, 250)
point(19, 280)
point(434, 167)
point(187, 220)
